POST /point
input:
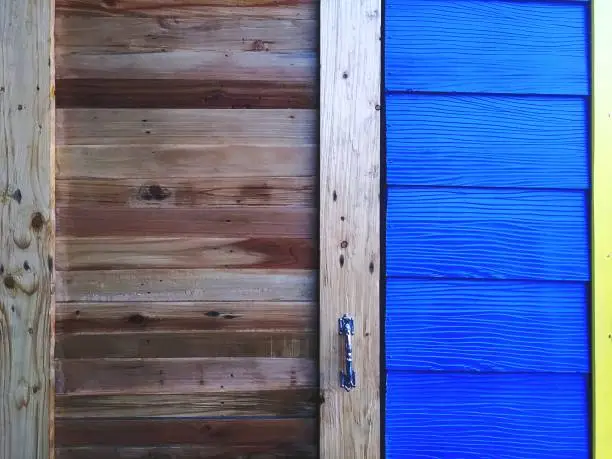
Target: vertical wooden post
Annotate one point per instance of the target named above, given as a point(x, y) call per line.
point(602, 228)
point(350, 224)
point(26, 228)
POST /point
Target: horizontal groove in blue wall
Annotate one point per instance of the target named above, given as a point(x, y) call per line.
point(508, 326)
point(497, 416)
point(406, 92)
point(486, 46)
point(487, 234)
point(487, 141)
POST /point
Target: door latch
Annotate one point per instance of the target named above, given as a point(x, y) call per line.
point(346, 328)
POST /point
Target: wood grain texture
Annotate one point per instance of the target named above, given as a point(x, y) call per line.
point(486, 326)
point(170, 376)
point(173, 316)
point(499, 141)
point(350, 224)
point(185, 285)
point(501, 47)
point(187, 193)
point(286, 403)
point(200, 162)
point(186, 127)
point(145, 93)
point(26, 229)
point(136, 252)
point(187, 344)
point(602, 230)
point(230, 222)
point(258, 434)
point(503, 234)
point(496, 415)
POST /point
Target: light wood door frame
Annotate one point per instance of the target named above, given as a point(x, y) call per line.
point(350, 168)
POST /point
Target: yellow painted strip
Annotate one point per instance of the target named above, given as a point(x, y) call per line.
point(602, 228)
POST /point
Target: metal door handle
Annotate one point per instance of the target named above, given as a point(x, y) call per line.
point(346, 328)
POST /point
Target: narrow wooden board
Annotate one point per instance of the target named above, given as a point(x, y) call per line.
point(173, 316)
point(602, 229)
point(294, 402)
point(167, 376)
point(186, 161)
point(186, 127)
point(350, 224)
point(292, 344)
point(26, 228)
point(187, 193)
point(134, 252)
point(185, 285)
point(145, 93)
point(230, 222)
point(134, 34)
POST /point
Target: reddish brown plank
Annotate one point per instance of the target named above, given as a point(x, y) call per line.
point(227, 316)
point(187, 452)
point(185, 285)
point(187, 193)
point(164, 376)
point(294, 402)
point(293, 344)
point(145, 93)
point(111, 253)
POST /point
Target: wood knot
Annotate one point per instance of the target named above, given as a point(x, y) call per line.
point(37, 221)
point(154, 193)
point(137, 319)
point(259, 45)
point(9, 282)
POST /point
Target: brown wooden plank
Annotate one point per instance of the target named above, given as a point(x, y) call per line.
point(113, 317)
point(350, 126)
point(296, 67)
point(185, 285)
point(145, 93)
point(249, 222)
point(134, 34)
point(185, 161)
point(254, 433)
point(166, 376)
point(27, 114)
point(294, 402)
point(110, 253)
point(186, 344)
point(187, 452)
point(186, 127)
point(187, 193)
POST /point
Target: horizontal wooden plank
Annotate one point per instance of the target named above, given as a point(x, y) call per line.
point(109, 253)
point(232, 222)
point(487, 141)
point(187, 344)
point(186, 127)
point(187, 193)
point(134, 34)
point(507, 234)
point(294, 402)
point(486, 46)
point(185, 161)
point(185, 285)
point(170, 376)
point(495, 415)
point(145, 93)
point(297, 67)
point(487, 326)
point(290, 9)
point(281, 451)
point(254, 433)
point(203, 316)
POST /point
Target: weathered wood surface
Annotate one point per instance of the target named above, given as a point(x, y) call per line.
point(26, 229)
point(187, 193)
point(350, 224)
point(277, 451)
point(173, 316)
point(291, 402)
point(167, 376)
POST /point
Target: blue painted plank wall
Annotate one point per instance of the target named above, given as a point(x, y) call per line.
point(487, 245)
